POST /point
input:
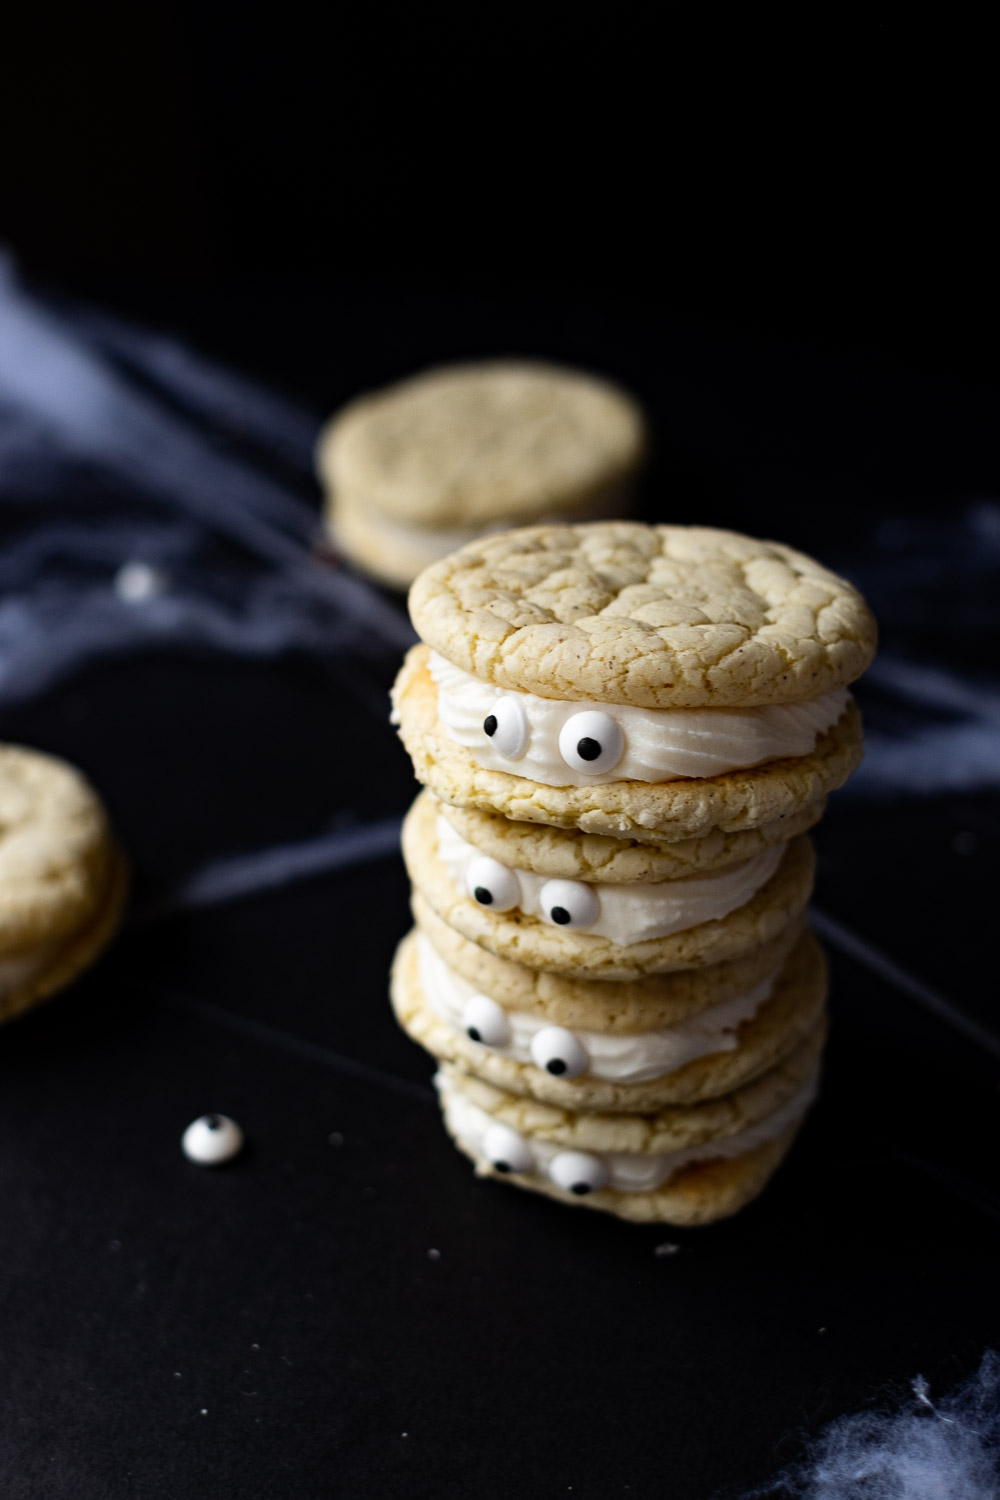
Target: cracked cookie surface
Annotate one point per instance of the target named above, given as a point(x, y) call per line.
point(569, 854)
point(618, 1007)
point(649, 616)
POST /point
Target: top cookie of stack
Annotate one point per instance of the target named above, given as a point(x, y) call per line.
point(420, 468)
point(658, 683)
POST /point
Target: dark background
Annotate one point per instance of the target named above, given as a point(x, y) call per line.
point(779, 240)
point(814, 177)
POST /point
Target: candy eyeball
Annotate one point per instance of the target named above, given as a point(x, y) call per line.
point(506, 1151)
point(557, 1051)
point(569, 903)
point(212, 1139)
point(506, 727)
point(485, 1022)
point(591, 741)
point(578, 1172)
point(492, 884)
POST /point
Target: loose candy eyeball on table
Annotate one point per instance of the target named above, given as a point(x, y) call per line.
point(211, 1140)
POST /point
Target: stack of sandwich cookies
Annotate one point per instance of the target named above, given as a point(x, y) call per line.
point(63, 878)
point(625, 733)
point(418, 469)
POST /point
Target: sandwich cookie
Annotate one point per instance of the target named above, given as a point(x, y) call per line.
point(676, 809)
point(617, 1061)
point(63, 879)
point(419, 469)
point(684, 1165)
point(658, 683)
point(603, 930)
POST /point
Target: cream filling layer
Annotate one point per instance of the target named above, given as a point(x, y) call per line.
point(626, 914)
point(658, 744)
point(625, 1171)
point(428, 544)
point(620, 1059)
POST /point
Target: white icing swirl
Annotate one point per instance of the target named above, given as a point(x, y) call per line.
point(660, 744)
point(626, 1171)
point(630, 913)
point(620, 1059)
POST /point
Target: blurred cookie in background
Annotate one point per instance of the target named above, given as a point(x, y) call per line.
point(63, 877)
point(415, 470)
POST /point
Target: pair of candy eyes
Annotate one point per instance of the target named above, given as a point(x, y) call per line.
point(588, 741)
point(574, 1171)
point(553, 1048)
point(565, 903)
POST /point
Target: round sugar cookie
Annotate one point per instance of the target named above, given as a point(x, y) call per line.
point(649, 812)
point(473, 444)
point(648, 616)
point(570, 854)
point(535, 943)
point(673, 1128)
point(55, 849)
point(618, 1007)
point(698, 1193)
point(783, 1020)
point(34, 974)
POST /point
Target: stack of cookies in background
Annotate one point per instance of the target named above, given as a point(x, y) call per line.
point(416, 470)
point(624, 733)
point(63, 877)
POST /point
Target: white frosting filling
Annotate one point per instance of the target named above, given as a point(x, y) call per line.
point(626, 1171)
point(658, 744)
point(626, 914)
point(621, 1059)
point(425, 544)
point(428, 544)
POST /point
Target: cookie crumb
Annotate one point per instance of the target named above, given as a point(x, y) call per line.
point(667, 1248)
point(434, 1255)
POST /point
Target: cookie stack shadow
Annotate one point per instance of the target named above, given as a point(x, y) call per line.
point(624, 734)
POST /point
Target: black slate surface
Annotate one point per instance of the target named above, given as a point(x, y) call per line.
point(280, 1328)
